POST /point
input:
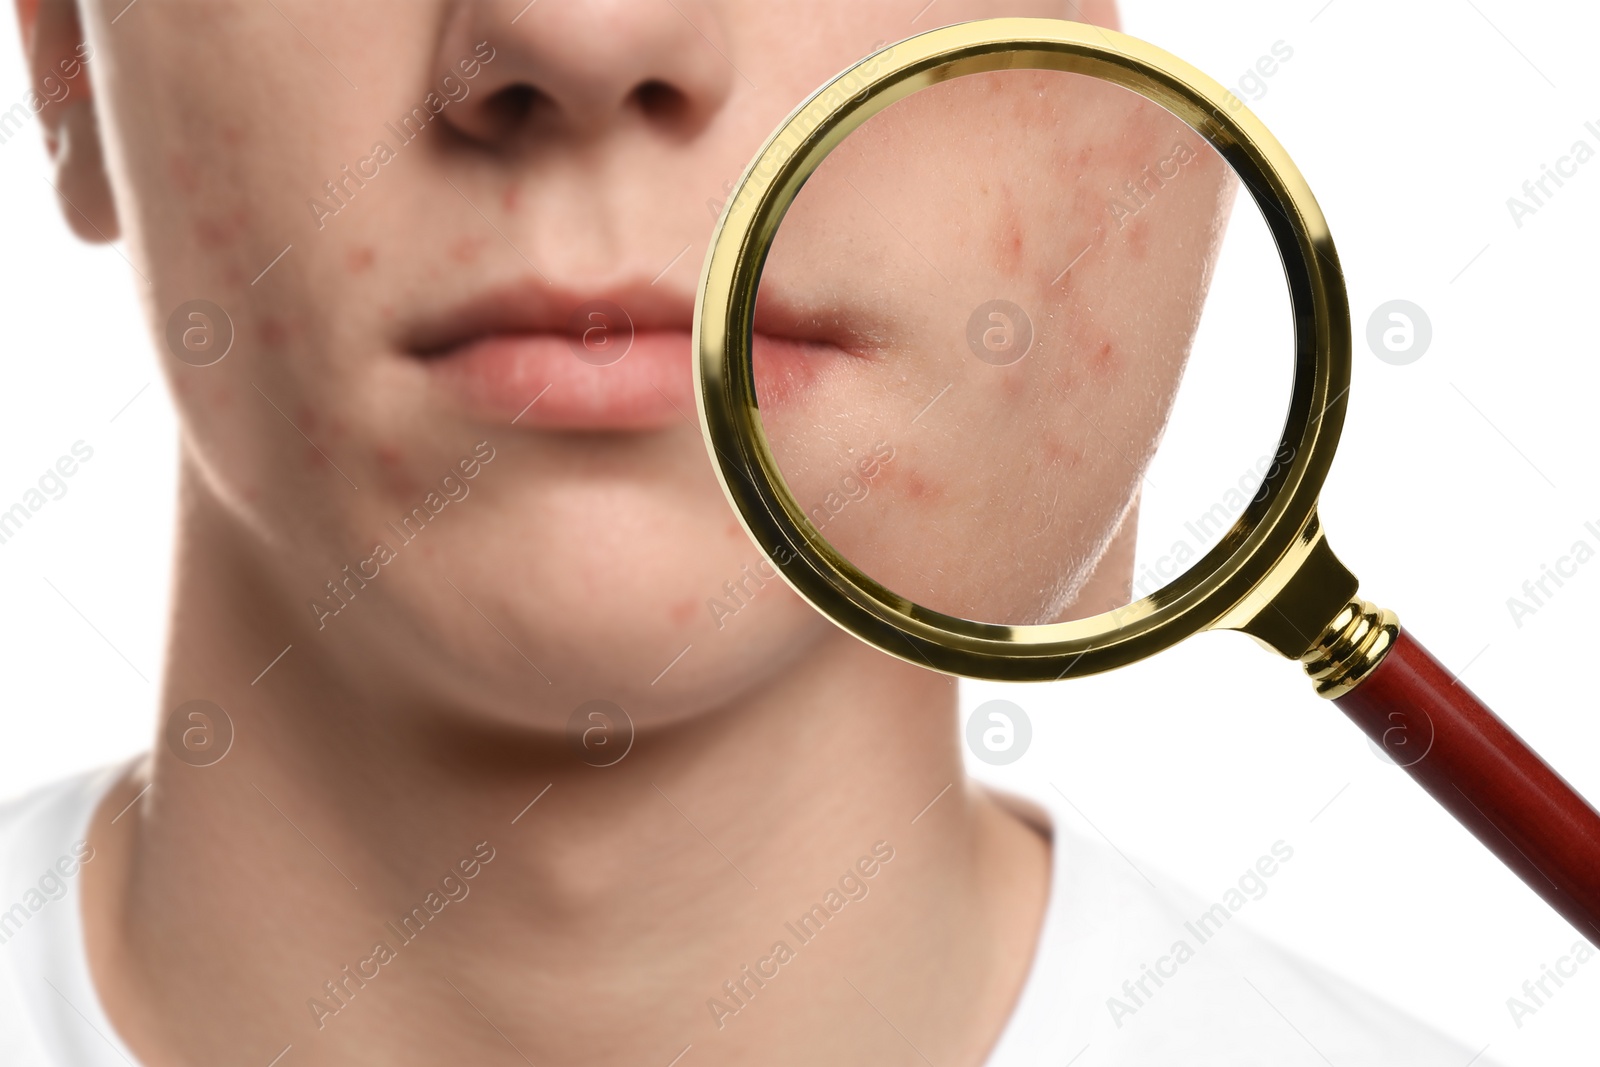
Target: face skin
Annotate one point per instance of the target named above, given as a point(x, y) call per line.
point(990, 483)
point(395, 312)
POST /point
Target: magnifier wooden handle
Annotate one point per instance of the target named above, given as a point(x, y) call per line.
point(1484, 775)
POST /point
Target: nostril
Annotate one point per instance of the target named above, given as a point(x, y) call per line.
point(512, 107)
point(661, 102)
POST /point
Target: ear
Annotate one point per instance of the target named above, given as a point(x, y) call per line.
point(61, 96)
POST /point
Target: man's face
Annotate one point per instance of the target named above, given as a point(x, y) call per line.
point(420, 219)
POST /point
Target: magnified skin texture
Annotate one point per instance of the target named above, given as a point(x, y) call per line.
point(417, 532)
point(1002, 459)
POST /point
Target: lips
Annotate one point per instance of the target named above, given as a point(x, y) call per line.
point(618, 362)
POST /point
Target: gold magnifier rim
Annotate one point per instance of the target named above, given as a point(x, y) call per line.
point(1277, 524)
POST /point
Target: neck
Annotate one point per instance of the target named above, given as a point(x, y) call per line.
point(366, 882)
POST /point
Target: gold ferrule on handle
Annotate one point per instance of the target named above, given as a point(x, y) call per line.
point(1351, 647)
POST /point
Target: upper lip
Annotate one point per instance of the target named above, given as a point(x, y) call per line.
point(530, 305)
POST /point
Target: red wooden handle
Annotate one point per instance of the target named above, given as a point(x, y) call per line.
point(1486, 776)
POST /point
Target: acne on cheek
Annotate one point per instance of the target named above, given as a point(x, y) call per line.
point(681, 612)
point(183, 174)
point(1137, 236)
point(467, 249)
point(272, 331)
point(1007, 243)
point(360, 259)
point(213, 232)
point(1058, 454)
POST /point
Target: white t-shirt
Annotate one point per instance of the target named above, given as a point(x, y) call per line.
point(1127, 972)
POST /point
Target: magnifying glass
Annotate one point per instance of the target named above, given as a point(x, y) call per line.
point(1023, 352)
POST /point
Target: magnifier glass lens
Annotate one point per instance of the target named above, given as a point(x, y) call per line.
point(1022, 349)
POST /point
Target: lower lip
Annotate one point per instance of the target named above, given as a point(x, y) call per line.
point(539, 381)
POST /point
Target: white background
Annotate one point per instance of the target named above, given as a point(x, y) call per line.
point(1460, 475)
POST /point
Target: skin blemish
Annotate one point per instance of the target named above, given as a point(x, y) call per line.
point(272, 332)
point(1057, 453)
point(467, 249)
point(1138, 238)
point(214, 233)
point(1007, 247)
point(390, 456)
point(1104, 359)
point(733, 530)
point(358, 260)
point(313, 459)
point(511, 198)
point(221, 398)
point(680, 612)
point(232, 136)
point(306, 419)
point(183, 173)
point(918, 488)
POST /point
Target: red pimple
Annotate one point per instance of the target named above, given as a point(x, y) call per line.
point(467, 249)
point(390, 455)
point(213, 233)
point(1138, 237)
point(1008, 236)
point(733, 529)
point(680, 612)
point(232, 136)
point(1104, 358)
point(512, 198)
point(306, 420)
point(272, 332)
point(183, 173)
point(918, 488)
point(359, 259)
point(221, 397)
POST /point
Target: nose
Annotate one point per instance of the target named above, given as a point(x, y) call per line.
point(578, 68)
